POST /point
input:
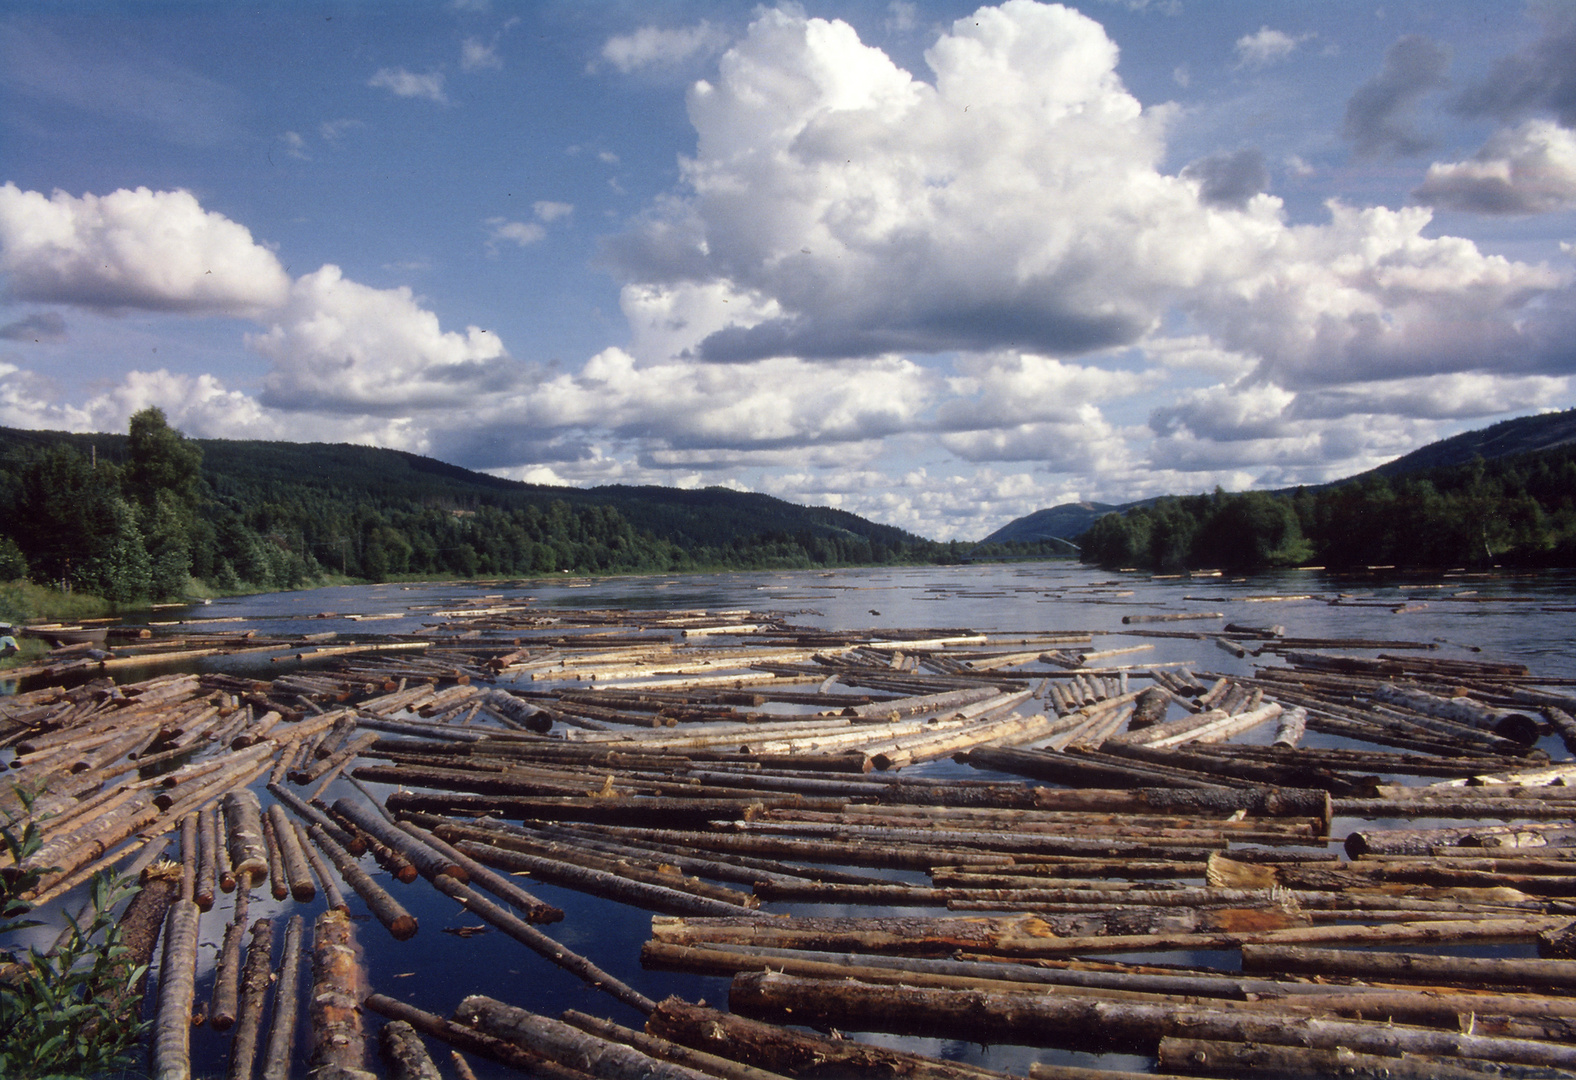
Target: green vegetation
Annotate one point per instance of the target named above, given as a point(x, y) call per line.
point(1511, 511)
point(154, 515)
point(68, 1011)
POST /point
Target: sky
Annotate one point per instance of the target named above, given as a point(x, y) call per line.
point(935, 263)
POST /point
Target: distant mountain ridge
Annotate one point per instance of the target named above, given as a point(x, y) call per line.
point(276, 471)
point(1524, 435)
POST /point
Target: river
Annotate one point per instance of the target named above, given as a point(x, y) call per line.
point(1499, 616)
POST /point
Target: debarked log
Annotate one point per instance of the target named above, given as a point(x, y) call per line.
point(1072, 1021)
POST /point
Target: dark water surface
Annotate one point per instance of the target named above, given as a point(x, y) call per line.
point(1528, 619)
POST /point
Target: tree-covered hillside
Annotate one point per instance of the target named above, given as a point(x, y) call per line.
point(135, 516)
point(1518, 510)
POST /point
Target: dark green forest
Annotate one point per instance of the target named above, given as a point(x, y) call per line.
point(1511, 511)
point(153, 514)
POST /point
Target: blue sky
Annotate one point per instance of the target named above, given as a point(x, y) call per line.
point(935, 263)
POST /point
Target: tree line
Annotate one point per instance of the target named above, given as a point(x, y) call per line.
point(1511, 511)
point(149, 518)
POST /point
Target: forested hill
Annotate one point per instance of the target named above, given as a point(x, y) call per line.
point(1518, 509)
point(118, 515)
point(1527, 434)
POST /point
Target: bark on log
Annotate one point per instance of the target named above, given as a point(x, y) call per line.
point(141, 923)
point(566, 1044)
point(177, 990)
point(297, 870)
point(338, 1046)
point(666, 1050)
point(287, 1002)
point(471, 1040)
point(254, 990)
point(243, 816)
point(1075, 1022)
point(278, 883)
point(227, 978)
point(404, 1053)
point(429, 862)
point(1544, 975)
point(331, 894)
point(797, 1053)
point(536, 910)
point(1205, 1057)
point(389, 911)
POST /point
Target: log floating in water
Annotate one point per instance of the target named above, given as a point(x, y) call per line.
point(254, 989)
point(404, 1053)
point(471, 1040)
point(389, 911)
point(567, 1044)
point(338, 982)
point(541, 944)
point(796, 1053)
point(1076, 1022)
point(177, 991)
point(280, 1050)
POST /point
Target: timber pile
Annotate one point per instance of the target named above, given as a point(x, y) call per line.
point(1298, 907)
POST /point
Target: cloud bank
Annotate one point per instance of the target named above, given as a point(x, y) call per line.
point(940, 298)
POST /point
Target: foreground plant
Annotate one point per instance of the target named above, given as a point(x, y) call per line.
point(68, 1011)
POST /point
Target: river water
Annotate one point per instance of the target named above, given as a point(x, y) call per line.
point(1487, 616)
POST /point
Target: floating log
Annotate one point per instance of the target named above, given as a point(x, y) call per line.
point(331, 894)
point(278, 882)
point(1471, 971)
point(254, 990)
point(389, 911)
point(427, 861)
point(248, 852)
point(471, 1040)
point(1076, 1022)
point(653, 1046)
point(1214, 1058)
point(296, 871)
point(541, 944)
point(226, 995)
point(404, 1053)
point(796, 1053)
point(177, 991)
point(280, 1050)
point(566, 1044)
point(338, 1045)
point(536, 910)
point(596, 882)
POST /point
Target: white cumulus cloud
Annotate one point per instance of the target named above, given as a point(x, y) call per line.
point(142, 249)
point(339, 345)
